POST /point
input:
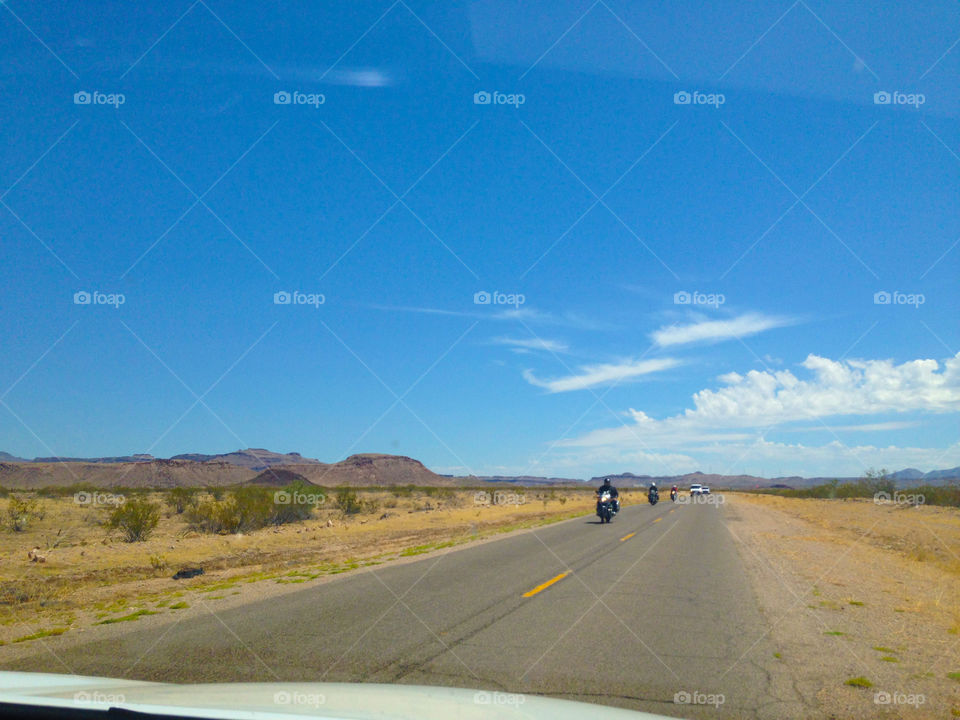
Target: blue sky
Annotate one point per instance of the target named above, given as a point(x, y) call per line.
point(681, 217)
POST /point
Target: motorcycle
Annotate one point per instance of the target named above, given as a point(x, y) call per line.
point(673, 495)
point(653, 496)
point(607, 507)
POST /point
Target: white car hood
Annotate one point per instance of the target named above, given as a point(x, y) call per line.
point(260, 701)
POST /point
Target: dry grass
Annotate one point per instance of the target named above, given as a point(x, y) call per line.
point(91, 576)
point(860, 591)
point(923, 534)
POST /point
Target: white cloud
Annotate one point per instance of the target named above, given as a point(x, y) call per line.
point(593, 375)
point(863, 427)
point(714, 330)
point(849, 387)
point(553, 346)
point(727, 425)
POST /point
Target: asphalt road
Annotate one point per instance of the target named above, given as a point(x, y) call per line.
point(628, 614)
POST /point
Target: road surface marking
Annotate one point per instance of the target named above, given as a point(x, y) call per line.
point(547, 584)
point(658, 519)
point(672, 509)
point(627, 537)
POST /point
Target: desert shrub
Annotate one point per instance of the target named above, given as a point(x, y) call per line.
point(158, 562)
point(216, 493)
point(299, 499)
point(179, 498)
point(402, 491)
point(347, 501)
point(212, 516)
point(252, 507)
point(136, 519)
point(20, 510)
point(939, 494)
point(4, 492)
point(868, 487)
point(876, 481)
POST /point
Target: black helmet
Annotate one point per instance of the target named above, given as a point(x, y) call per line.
point(606, 481)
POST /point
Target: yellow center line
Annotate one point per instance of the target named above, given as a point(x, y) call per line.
point(547, 584)
point(658, 519)
point(671, 510)
point(627, 537)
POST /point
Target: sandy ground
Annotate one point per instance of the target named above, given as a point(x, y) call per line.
point(858, 593)
point(91, 578)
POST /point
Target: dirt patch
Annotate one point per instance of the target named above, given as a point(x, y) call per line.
point(862, 600)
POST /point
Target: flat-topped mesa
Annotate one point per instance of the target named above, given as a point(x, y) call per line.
point(373, 469)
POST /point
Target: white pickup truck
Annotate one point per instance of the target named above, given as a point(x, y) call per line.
point(696, 489)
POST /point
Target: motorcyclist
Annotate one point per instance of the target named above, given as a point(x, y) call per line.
point(653, 492)
point(674, 491)
point(614, 495)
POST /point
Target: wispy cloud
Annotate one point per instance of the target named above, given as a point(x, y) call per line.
point(359, 77)
point(524, 315)
point(714, 330)
point(553, 346)
point(593, 375)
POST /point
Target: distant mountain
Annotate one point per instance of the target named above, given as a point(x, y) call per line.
point(105, 460)
point(370, 469)
point(728, 481)
point(253, 458)
point(908, 474)
point(518, 480)
point(942, 474)
point(193, 457)
point(364, 470)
